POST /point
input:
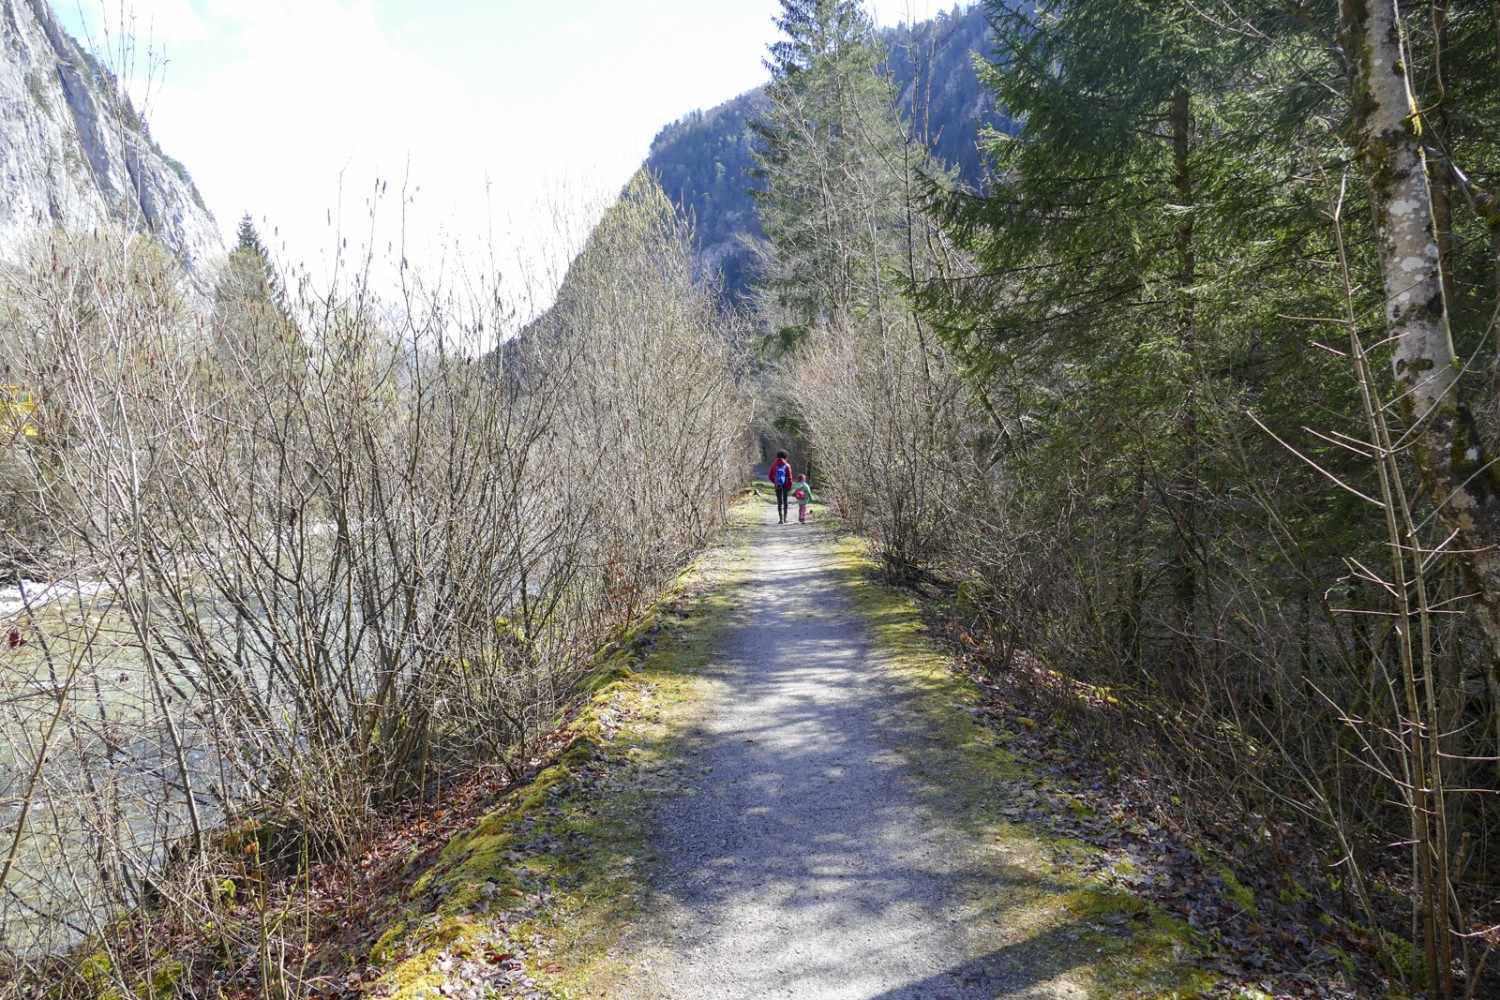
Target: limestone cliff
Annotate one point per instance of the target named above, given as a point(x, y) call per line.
point(74, 153)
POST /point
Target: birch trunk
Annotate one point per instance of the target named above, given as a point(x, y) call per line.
point(1384, 135)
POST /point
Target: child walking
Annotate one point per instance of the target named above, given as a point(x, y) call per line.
point(802, 493)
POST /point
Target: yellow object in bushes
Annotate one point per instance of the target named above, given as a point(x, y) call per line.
point(18, 413)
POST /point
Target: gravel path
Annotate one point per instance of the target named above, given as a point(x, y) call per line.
point(800, 861)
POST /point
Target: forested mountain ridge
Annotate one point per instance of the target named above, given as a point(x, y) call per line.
point(703, 159)
point(932, 64)
point(76, 153)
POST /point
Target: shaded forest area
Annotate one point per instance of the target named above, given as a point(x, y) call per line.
point(1189, 414)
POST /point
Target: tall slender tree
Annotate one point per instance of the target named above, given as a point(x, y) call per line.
point(827, 154)
point(250, 316)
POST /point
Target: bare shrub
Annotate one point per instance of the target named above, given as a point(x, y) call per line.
point(308, 551)
point(889, 421)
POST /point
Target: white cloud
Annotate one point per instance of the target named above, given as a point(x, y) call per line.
point(578, 28)
point(318, 111)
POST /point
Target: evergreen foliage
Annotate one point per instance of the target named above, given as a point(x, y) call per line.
point(826, 150)
point(1116, 301)
point(250, 316)
point(251, 259)
point(704, 158)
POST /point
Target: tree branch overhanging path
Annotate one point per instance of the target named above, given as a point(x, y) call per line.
point(831, 839)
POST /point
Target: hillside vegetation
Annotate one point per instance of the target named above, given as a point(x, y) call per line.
point(1190, 413)
point(704, 160)
point(1177, 406)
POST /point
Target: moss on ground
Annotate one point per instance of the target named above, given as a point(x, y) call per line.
point(967, 775)
point(162, 979)
point(565, 910)
point(1234, 890)
point(558, 912)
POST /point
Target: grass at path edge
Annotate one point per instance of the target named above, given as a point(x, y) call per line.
point(971, 779)
point(558, 915)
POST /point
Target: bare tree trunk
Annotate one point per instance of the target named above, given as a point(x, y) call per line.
point(1448, 451)
point(1437, 178)
point(1390, 153)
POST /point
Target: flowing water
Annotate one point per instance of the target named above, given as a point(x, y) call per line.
point(91, 791)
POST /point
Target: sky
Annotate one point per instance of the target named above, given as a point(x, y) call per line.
point(496, 130)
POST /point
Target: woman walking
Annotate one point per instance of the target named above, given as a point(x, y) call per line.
point(781, 478)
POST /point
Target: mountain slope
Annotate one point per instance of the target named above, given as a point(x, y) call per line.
point(702, 161)
point(75, 154)
point(702, 158)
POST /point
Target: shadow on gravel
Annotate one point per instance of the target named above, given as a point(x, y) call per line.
point(1012, 970)
point(805, 843)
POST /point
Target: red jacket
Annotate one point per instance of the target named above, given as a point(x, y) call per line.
point(771, 475)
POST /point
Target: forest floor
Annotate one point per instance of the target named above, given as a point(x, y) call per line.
point(780, 785)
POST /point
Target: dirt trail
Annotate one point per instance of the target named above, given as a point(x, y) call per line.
point(803, 860)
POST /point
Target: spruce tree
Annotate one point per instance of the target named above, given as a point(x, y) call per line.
point(250, 317)
point(1116, 300)
point(250, 270)
point(827, 155)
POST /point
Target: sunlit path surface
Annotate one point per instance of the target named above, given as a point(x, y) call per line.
point(801, 862)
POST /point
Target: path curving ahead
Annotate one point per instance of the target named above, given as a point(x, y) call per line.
point(803, 861)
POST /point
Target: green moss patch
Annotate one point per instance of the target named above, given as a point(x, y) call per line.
point(534, 896)
point(1121, 945)
point(162, 980)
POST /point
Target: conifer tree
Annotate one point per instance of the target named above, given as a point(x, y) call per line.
point(827, 152)
point(250, 317)
point(250, 270)
point(1094, 251)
